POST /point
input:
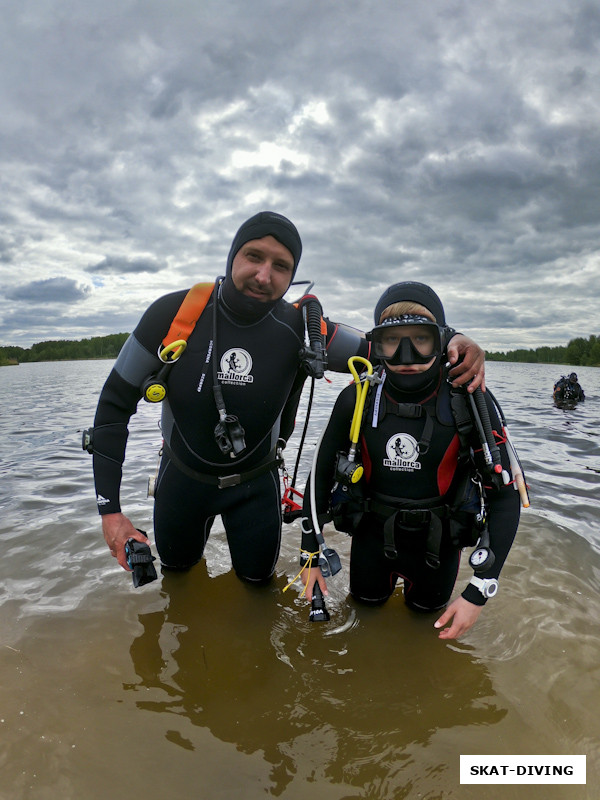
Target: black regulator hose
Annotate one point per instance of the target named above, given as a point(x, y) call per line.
point(315, 359)
point(482, 418)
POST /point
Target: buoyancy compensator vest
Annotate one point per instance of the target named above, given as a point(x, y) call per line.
point(461, 513)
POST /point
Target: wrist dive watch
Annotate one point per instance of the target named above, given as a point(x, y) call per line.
point(487, 586)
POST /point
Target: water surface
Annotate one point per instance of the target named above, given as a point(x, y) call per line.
point(200, 686)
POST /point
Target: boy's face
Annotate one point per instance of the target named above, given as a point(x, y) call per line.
point(409, 369)
point(408, 340)
point(421, 338)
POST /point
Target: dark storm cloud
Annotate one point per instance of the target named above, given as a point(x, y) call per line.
point(41, 323)
point(442, 142)
point(114, 265)
point(51, 290)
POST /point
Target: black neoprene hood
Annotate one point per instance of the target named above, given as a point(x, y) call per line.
point(414, 292)
point(267, 223)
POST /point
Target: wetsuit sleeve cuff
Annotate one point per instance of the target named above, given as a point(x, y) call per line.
point(448, 333)
point(473, 595)
point(306, 557)
point(107, 507)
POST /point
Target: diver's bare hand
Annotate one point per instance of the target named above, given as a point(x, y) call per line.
point(117, 529)
point(310, 580)
point(469, 362)
point(460, 615)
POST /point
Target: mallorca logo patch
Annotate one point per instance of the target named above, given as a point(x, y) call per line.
point(402, 452)
point(236, 365)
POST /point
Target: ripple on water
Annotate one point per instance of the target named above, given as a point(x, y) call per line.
point(387, 705)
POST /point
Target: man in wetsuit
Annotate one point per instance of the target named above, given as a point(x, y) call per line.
point(259, 372)
point(568, 389)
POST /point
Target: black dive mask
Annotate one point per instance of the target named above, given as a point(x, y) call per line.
point(408, 339)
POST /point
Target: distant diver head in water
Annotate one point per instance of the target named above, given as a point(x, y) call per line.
point(408, 334)
point(261, 264)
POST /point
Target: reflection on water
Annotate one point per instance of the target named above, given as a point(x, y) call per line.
point(264, 679)
point(198, 685)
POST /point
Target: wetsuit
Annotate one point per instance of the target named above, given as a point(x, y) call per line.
point(400, 465)
point(566, 389)
point(261, 377)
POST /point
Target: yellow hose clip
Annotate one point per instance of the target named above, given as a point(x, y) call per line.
point(361, 395)
point(155, 388)
point(177, 347)
point(356, 473)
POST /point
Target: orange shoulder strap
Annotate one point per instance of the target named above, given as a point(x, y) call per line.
point(189, 313)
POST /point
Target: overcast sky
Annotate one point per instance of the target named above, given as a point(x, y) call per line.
point(456, 143)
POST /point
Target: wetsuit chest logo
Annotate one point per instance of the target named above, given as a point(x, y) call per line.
point(402, 452)
point(236, 365)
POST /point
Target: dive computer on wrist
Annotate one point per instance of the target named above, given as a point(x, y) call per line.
point(487, 586)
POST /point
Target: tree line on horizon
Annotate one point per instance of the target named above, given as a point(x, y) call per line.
point(65, 350)
point(579, 352)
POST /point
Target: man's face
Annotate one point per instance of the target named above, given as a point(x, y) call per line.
point(263, 269)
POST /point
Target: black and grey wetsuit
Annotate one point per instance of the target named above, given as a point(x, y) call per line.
point(567, 390)
point(401, 469)
point(261, 379)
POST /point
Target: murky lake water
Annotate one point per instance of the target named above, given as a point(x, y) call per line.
point(200, 686)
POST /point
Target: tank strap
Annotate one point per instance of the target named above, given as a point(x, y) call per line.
point(464, 422)
point(414, 518)
point(411, 411)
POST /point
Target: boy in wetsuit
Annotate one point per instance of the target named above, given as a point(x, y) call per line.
point(410, 449)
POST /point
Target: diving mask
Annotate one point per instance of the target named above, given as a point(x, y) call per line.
point(407, 339)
